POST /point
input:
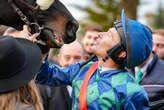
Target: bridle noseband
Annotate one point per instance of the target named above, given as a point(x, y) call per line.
point(24, 18)
point(36, 28)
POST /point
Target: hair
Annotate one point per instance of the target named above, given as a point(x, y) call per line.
point(76, 41)
point(149, 29)
point(27, 94)
point(159, 32)
point(9, 30)
point(92, 28)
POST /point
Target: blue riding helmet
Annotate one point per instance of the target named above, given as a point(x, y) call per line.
point(138, 41)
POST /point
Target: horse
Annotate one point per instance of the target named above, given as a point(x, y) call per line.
point(55, 24)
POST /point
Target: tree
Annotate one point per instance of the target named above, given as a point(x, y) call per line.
point(131, 8)
point(105, 12)
point(158, 21)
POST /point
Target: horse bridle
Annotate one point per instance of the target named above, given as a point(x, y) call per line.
point(35, 24)
point(24, 18)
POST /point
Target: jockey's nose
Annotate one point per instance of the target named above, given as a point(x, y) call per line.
point(71, 29)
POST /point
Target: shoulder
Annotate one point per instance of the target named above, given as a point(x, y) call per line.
point(124, 81)
point(158, 66)
point(160, 62)
point(123, 78)
point(88, 64)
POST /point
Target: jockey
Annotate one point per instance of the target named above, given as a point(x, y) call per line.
point(106, 84)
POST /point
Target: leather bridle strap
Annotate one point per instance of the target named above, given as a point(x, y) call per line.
point(83, 89)
point(23, 16)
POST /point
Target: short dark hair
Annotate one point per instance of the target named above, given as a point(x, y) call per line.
point(159, 32)
point(92, 28)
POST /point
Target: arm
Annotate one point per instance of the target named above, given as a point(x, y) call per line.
point(55, 75)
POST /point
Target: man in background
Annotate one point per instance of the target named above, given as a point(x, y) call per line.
point(158, 42)
point(89, 38)
point(150, 76)
point(70, 54)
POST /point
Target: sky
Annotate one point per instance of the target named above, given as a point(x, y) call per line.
point(144, 7)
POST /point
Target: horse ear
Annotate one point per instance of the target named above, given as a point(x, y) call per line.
point(44, 4)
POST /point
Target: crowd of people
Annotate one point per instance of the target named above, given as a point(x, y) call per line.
point(127, 73)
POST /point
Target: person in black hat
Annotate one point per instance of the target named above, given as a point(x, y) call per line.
point(20, 60)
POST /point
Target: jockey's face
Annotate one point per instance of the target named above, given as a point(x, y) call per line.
point(105, 41)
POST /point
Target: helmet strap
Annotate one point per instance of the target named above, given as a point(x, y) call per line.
point(114, 53)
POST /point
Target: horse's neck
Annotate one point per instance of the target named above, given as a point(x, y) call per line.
point(5, 12)
point(7, 15)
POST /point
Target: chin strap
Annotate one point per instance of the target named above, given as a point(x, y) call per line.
point(92, 57)
point(114, 52)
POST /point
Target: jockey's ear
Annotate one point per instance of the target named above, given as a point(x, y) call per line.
point(44, 4)
point(122, 54)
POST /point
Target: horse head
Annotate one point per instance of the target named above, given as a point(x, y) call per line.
point(55, 23)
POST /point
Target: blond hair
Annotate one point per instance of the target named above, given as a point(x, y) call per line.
point(27, 94)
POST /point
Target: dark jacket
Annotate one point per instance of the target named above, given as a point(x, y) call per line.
point(153, 82)
point(55, 98)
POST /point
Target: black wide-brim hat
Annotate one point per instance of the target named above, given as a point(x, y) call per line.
point(20, 61)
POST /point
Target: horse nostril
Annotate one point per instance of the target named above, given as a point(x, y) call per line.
point(72, 26)
point(71, 29)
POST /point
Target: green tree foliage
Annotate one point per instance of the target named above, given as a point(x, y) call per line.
point(158, 21)
point(102, 13)
point(105, 12)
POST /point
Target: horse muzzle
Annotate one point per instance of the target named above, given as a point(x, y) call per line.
point(54, 40)
point(70, 30)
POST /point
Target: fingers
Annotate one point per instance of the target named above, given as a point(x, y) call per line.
point(34, 36)
point(29, 36)
point(26, 29)
point(25, 34)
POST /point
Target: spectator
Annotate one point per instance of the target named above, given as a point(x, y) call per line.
point(150, 76)
point(70, 54)
point(45, 91)
point(110, 87)
point(89, 38)
point(158, 42)
point(20, 60)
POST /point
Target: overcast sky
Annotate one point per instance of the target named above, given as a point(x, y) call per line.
point(144, 7)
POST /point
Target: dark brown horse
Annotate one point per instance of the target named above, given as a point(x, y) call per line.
point(56, 24)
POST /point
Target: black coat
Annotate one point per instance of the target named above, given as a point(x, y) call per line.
point(55, 98)
point(153, 83)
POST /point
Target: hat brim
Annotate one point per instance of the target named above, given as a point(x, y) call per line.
point(33, 64)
